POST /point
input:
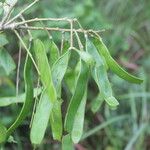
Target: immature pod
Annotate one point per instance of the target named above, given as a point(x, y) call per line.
point(28, 78)
point(58, 71)
point(100, 74)
point(45, 110)
point(48, 97)
point(97, 102)
point(77, 96)
point(104, 86)
point(113, 65)
point(78, 124)
point(45, 70)
point(56, 120)
point(41, 118)
point(72, 76)
point(54, 52)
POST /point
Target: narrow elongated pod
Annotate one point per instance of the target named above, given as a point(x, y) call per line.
point(54, 52)
point(97, 103)
point(78, 124)
point(99, 73)
point(56, 120)
point(113, 65)
point(77, 96)
point(40, 120)
point(67, 143)
point(48, 98)
point(58, 71)
point(104, 86)
point(45, 70)
point(28, 78)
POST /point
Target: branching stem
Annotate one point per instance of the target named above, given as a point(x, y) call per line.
point(30, 55)
point(58, 29)
point(42, 19)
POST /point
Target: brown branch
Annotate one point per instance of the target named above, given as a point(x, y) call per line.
point(58, 29)
point(43, 19)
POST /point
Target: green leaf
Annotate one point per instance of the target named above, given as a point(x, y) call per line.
point(77, 96)
point(45, 71)
point(6, 61)
point(41, 118)
point(67, 143)
point(6, 101)
point(3, 131)
point(28, 77)
point(54, 52)
point(113, 65)
point(77, 130)
point(3, 40)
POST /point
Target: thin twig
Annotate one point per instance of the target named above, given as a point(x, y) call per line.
point(18, 69)
point(57, 29)
point(96, 34)
point(62, 42)
point(79, 41)
point(21, 12)
point(29, 32)
point(86, 37)
point(35, 103)
point(79, 24)
point(71, 33)
point(49, 35)
point(30, 55)
point(42, 19)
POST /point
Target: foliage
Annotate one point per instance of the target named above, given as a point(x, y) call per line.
point(63, 77)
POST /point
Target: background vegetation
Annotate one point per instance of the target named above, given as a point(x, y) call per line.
point(127, 36)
